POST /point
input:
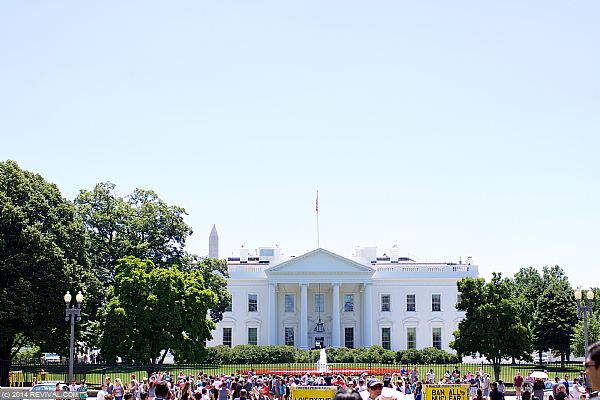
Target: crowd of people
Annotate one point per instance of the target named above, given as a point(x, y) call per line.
point(254, 386)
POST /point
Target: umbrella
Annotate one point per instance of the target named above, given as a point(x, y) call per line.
point(539, 375)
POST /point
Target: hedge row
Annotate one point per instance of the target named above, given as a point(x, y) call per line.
point(245, 354)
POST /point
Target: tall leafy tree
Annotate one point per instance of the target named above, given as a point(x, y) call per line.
point(492, 325)
point(43, 253)
point(151, 310)
point(140, 225)
point(214, 272)
point(556, 313)
point(144, 226)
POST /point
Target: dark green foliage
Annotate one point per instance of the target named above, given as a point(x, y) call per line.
point(43, 253)
point(214, 272)
point(246, 354)
point(493, 325)
point(556, 314)
point(140, 225)
point(150, 310)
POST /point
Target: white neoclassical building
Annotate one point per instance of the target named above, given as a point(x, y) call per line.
point(323, 299)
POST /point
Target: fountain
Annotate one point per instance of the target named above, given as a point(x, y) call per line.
point(322, 363)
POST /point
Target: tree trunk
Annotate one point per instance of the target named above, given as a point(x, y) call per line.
point(5, 361)
point(497, 370)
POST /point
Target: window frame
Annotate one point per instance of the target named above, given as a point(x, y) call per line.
point(411, 331)
point(351, 308)
point(255, 304)
point(388, 345)
point(389, 302)
point(347, 341)
point(230, 329)
point(320, 309)
point(434, 303)
point(413, 302)
point(285, 303)
point(433, 333)
point(285, 336)
point(256, 335)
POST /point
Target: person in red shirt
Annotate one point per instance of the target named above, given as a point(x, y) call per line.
point(518, 382)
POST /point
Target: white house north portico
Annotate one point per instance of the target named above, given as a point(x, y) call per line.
point(323, 299)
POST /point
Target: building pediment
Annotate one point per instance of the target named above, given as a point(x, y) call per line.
point(320, 261)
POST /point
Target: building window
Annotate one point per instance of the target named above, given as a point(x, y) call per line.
point(319, 302)
point(386, 338)
point(436, 302)
point(227, 336)
point(411, 302)
point(458, 300)
point(289, 303)
point(436, 338)
point(348, 303)
point(252, 303)
point(349, 338)
point(228, 308)
point(289, 336)
point(385, 303)
point(253, 336)
point(411, 338)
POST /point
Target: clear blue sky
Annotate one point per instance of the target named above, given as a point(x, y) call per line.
point(451, 129)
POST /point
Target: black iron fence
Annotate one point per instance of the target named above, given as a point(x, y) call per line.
point(24, 372)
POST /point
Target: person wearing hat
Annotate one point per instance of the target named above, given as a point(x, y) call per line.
point(375, 388)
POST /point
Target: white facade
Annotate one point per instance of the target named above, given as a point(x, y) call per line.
point(362, 301)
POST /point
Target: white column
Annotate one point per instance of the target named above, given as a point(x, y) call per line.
point(367, 315)
point(304, 316)
point(335, 304)
point(272, 314)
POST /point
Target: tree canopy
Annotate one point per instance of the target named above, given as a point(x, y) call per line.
point(150, 309)
point(492, 325)
point(43, 253)
point(140, 225)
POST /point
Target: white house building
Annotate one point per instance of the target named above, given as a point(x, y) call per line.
point(324, 299)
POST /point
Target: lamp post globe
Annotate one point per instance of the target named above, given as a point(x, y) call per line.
point(72, 313)
point(582, 312)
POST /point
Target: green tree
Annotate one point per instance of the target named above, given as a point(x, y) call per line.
point(140, 225)
point(214, 272)
point(144, 226)
point(556, 314)
point(43, 253)
point(150, 309)
point(593, 326)
point(492, 325)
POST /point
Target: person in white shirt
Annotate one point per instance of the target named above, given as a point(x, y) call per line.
point(102, 392)
point(578, 390)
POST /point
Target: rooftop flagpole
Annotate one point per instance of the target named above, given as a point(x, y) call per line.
point(317, 210)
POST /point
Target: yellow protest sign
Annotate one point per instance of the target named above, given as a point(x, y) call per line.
point(312, 392)
point(446, 392)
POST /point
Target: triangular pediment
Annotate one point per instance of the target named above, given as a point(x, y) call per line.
point(320, 261)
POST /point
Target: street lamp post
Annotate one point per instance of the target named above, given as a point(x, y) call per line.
point(72, 312)
point(584, 310)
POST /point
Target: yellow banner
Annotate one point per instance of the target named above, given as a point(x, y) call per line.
point(446, 392)
point(313, 392)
